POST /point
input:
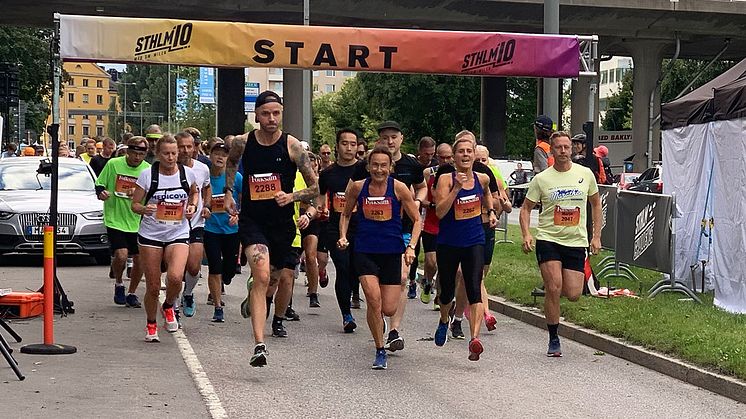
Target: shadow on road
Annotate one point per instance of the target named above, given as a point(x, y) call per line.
point(37, 261)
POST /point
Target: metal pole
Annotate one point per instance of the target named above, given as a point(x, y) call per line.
point(168, 128)
point(550, 92)
point(124, 125)
point(306, 93)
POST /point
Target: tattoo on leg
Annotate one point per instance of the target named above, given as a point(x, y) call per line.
point(260, 253)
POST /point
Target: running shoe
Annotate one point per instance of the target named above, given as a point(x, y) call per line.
point(348, 323)
point(189, 306)
point(313, 300)
point(490, 321)
point(412, 293)
point(441, 334)
point(120, 297)
point(151, 334)
point(227, 281)
point(177, 313)
point(380, 361)
point(456, 331)
point(211, 302)
point(355, 302)
point(278, 330)
point(475, 349)
point(259, 359)
point(169, 320)
point(394, 342)
point(291, 315)
point(323, 278)
point(217, 315)
point(245, 304)
point(132, 301)
point(436, 304)
point(554, 350)
point(425, 294)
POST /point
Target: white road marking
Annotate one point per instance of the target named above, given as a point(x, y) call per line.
point(211, 399)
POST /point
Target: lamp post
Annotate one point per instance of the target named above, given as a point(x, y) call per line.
point(124, 128)
point(135, 103)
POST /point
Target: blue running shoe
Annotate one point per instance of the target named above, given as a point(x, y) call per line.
point(120, 298)
point(441, 334)
point(554, 350)
point(412, 293)
point(189, 306)
point(217, 316)
point(380, 362)
point(348, 322)
point(132, 301)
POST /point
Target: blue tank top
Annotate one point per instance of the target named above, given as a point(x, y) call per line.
point(462, 225)
point(379, 228)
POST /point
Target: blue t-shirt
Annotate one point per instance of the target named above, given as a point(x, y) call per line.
point(218, 221)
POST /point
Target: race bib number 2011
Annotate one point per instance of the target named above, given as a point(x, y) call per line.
point(264, 186)
point(170, 212)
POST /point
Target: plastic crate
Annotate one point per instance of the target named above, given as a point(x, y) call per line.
point(21, 305)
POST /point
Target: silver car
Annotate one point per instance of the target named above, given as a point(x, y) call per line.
point(24, 209)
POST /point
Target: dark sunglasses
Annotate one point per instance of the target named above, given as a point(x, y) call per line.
point(326, 153)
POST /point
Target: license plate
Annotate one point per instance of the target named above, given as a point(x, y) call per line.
point(39, 230)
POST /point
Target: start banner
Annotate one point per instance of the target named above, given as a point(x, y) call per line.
point(231, 44)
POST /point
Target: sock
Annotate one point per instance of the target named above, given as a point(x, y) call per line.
point(552, 330)
point(152, 321)
point(131, 293)
point(276, 319)
point(458, 319)
point(190, 282)
point(380, 349)
point(167, 306)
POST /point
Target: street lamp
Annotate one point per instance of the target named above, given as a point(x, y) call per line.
point(125, 102)
point(135, 103)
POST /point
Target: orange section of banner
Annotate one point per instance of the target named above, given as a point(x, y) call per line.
point(227, 44)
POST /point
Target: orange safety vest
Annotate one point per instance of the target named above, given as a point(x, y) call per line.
point(547, 149)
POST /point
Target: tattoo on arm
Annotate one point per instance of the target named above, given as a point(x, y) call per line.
point(300, 157)
point(234, 156)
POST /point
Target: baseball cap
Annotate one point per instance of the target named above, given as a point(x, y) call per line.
point(544, 123)
point(578, 138)
point(220, 146)
point(388, 125)
point(267, 96)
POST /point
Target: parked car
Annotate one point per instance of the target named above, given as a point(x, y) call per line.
point(649, 181)
point(627, 179)
point(24, 209)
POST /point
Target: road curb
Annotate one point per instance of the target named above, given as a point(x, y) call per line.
point(716, 383)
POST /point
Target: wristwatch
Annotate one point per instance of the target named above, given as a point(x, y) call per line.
point(411, 247)
point(227, 189)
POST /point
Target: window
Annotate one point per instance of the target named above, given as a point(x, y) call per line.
point(276, 86)
point(99, 99)
point(275, 71)
point(85, 82)
point(71, 97)
point(329, 88)
point(85, 117)
point(330, 73)
point(71, 130)
point(85, 131)
point(99, 131)
point(85, 98)
point(112, 99)
point(348, 73)
point(604, 77)
point(99, 83)
point(315, 87)
point(71, 82)
point(315, 73)
point(620, 74)
point(99, 117)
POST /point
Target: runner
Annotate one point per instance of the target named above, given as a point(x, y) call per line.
point(325, 153)
point(380, 200)
point(201, 173)
point(409, 171)
point(115, 187)
point(169, 191)
point(310, 234)
point(562, 238)
point(461, 199)
point(152, 133)
point(332, 184)
point(444, 155)
point(270, 159)
point(221, 231)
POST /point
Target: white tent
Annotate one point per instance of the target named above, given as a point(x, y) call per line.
point(704, 148)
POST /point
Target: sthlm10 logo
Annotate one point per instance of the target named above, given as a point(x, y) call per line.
point(161, 43)
point(481, 61)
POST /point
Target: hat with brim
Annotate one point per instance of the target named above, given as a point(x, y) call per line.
point(388, 125)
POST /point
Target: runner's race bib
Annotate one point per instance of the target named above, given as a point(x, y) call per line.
point(124, 186)
point(566, 217)
point(467, 207)
point(264, 186)
point(170, 212)
point(218, 203)
point(377, 208)
point(339, 201)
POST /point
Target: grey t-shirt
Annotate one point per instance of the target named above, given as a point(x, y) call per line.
point(540, 160)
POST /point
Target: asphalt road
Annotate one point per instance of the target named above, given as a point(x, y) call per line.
point(317, 371)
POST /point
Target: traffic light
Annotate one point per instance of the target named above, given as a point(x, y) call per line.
point(9, 84)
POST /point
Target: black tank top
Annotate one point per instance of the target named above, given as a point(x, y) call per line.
point(266, 171)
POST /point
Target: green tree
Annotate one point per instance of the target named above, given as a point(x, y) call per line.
point(29, 47)
point(619, 112)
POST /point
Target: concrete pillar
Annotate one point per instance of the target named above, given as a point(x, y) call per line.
point(646, 57)
point(551, 96)
point(297, 103)
point(493, 120)
point(579, 102)
point(231, 116)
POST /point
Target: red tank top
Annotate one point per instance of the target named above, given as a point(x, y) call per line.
point(432, 222)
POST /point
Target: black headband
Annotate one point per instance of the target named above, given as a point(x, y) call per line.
point(137, 148)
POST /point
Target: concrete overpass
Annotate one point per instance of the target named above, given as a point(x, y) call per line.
point(643, 29)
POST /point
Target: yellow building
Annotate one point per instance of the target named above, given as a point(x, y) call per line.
point(85, 102)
